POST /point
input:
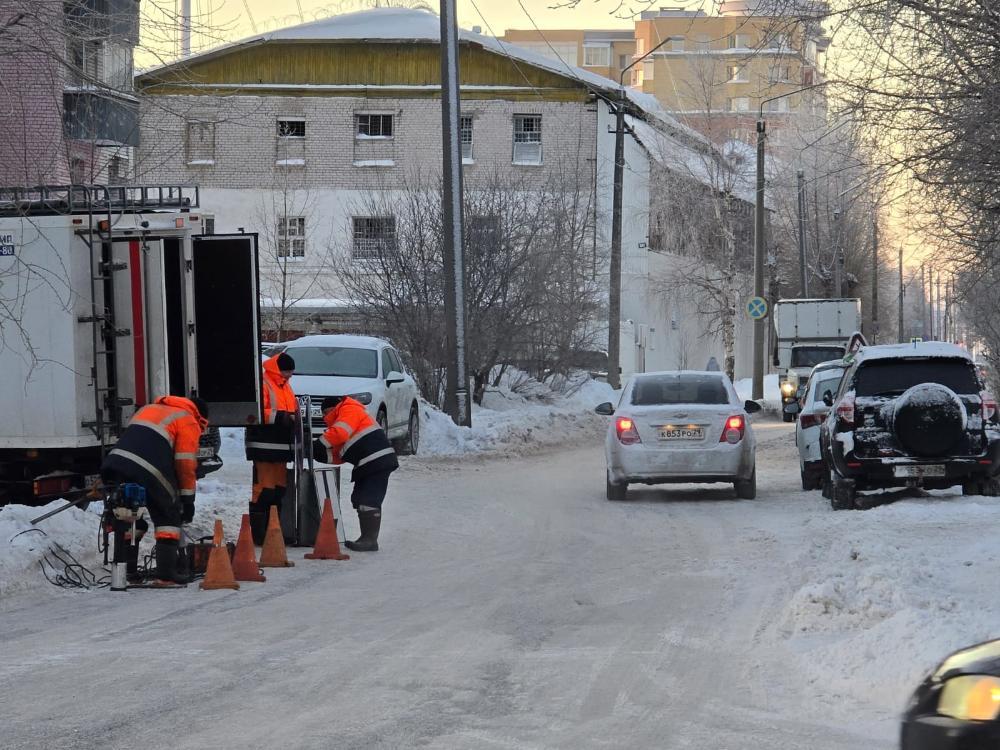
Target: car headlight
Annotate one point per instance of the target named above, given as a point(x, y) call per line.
point(971, 698)
point(787, 388)
point(364, 398)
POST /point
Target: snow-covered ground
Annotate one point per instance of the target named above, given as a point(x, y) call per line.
point(513, 606)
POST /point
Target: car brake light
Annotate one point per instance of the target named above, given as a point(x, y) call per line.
point(845, 410)
point(989, 405)
point(811, 420)
point(735, 427)
point(627, 434)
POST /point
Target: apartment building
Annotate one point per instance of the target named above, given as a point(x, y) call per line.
point(66, 71)
point(296, 133)
point(605, 53)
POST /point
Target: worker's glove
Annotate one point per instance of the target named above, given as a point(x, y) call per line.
point(187, 510)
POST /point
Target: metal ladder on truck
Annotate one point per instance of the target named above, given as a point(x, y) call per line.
point(100, 204)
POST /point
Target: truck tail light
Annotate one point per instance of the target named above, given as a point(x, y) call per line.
point(627, 434)
point(989, 405)
point(811, 420)
point(46, 486)
point(845, 410)
point(733, 433)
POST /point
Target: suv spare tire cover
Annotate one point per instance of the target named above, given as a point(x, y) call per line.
point(929, 419)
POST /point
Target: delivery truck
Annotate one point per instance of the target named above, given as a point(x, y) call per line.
point(807, 332)
point(109, 298)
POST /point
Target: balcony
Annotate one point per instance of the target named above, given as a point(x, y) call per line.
point(100, 117)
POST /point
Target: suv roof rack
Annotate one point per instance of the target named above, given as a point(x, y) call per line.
point(58, 200)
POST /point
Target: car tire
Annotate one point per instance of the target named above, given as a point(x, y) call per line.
point(972, 487)
point(746, 489)
point(382, 417)
point(409, 445)
point(843, 496)
point(990, 487)
point(826, 486)
point(617, 492)
point(808, 482)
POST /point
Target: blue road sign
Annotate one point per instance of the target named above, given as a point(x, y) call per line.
point(757, 308)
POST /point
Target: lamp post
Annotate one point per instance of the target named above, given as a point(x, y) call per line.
point(615, 265)
point(758, 242)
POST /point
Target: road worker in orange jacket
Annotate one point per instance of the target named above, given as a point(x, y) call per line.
point(353, 436)
point(158, 449)
point(270, 444)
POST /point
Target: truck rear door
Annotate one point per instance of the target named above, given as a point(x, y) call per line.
point(224, 336)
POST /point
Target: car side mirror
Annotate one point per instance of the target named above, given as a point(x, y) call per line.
point(606, 409)
point(394, 377)
point(828, 398)
point(751, 407)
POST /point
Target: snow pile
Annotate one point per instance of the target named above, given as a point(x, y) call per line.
point(772, 392)
point(517, 416)
point(25, 548)
point(889, 593)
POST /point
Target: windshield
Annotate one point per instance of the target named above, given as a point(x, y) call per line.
point(828, 381)
point(679, 389)
point(335, 360)
point(892, 377)
point(810, 356)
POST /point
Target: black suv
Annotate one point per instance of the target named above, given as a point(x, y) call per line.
point(910, 415)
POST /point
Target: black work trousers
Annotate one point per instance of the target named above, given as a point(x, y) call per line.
point(369, 491)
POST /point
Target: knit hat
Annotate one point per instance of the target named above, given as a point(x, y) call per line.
point(285, 362)
point(200, 405)
point(330, 402)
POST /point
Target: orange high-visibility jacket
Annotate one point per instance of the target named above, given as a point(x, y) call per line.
point(353, 436)
point(270, 441)
point(159, 449)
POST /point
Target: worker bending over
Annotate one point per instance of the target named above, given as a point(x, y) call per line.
point(159, 450)
point(353, 436)
point(270, 444)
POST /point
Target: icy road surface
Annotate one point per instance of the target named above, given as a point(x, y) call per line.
point(512, 606)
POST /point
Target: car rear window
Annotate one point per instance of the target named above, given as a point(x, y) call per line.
point(892, 377)
point(674, 389)
point(810, 356)
point(347, 362)
point(828, 381)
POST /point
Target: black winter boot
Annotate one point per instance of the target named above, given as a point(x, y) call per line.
point(166, 565)
point(370, 520)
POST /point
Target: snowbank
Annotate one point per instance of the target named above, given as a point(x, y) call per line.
point(772, 393)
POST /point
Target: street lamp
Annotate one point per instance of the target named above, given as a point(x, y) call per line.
point(758, 243)
point(615, 269)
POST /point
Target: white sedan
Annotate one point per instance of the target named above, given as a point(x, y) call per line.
point(367, 369)
point(825, 377)
point(680, 426)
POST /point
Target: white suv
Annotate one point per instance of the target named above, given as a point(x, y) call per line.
point(366, 369)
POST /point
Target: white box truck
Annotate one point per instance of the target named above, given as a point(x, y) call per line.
point(109, 298)
point(809, 331)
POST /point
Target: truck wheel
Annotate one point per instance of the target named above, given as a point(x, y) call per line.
point(746, 489)
point(826, 486)
point(617, 492)
point(990, 487)
point(844, 495)
point(787, 417)
point(810, 482)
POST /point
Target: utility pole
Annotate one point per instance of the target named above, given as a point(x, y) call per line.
point(902, 291)
point(939, 310)
point(838, 266)
point(615, 262)
point(456, 399)
point(875, 330)
point(930, 299)
point(923, 302)
point(758, 262)
point(804, 280)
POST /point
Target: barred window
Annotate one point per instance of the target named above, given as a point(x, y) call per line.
point(527, 139)
point(292, 128)
point(291, 237)
point(200, 141)
point(374, 237)
point(465, 131)
point(373, 126)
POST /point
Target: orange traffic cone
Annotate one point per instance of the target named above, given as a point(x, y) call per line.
point(272, 554)
point(219, 574)
point(245, 567)
point(327, 546)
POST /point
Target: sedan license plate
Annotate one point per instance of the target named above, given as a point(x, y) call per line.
point(682, 433)
point(929, 470)
point(206, 452)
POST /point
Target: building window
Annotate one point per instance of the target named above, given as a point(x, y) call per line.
point(118, 66)
point(291, 237)
point(373, 126)
point(701, 43)
point(776, 105)
point(739, 41)
point(596, 57)
point(623, 61)
point(292, 128)
point(527, 139)
point(808, 78)
point(465, 131)
point(739, 104)
point(78, 171)
point(374, 237)
point(676, 44)
point(200, 141)
point(82, 56)
point(640, 47)
point(738, 74)
point(779, 73)
point(117, 170)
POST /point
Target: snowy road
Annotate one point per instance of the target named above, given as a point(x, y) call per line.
point(512, 606)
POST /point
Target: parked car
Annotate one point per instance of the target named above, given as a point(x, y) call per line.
point(911, 415)
point(957, 707)
point(683, 426)
point(208, 452)
point(365, 368)
point(825, 378)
